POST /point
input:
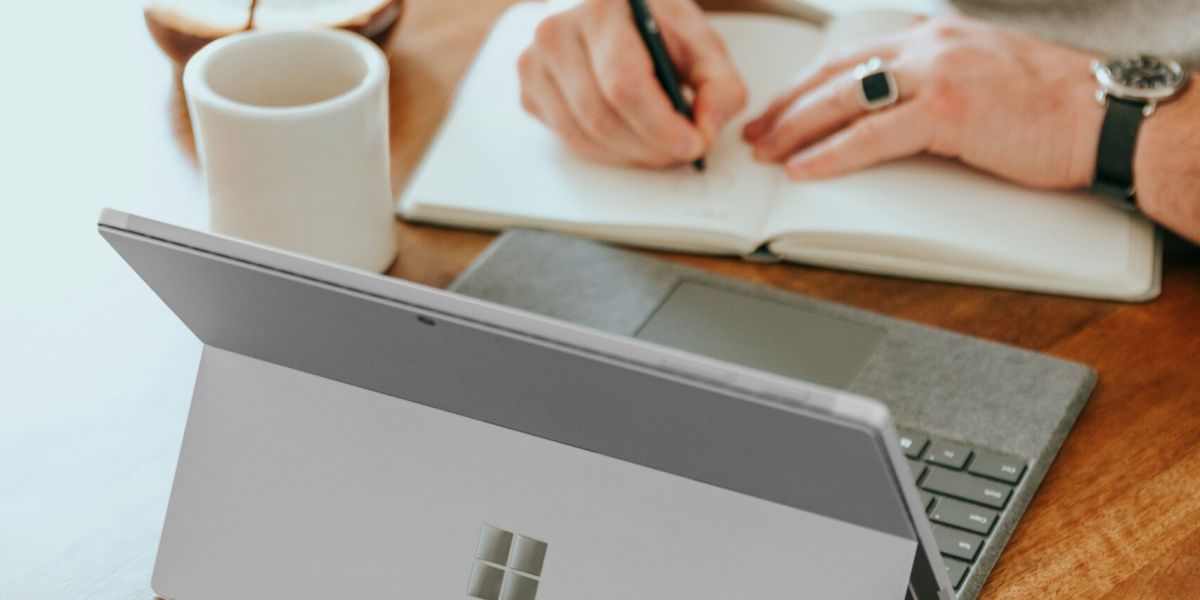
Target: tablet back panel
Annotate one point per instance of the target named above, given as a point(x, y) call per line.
point(639, 432)
point(291, 485)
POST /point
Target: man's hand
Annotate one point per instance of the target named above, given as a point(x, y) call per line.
point(589, 77)
point(1003, 102)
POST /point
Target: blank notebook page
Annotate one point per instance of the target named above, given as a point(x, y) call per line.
point(946, 213)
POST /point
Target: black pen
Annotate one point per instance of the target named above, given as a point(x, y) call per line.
point(663, 69)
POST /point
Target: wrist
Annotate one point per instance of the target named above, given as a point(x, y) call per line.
point(1088, 120)
point(1166, 149)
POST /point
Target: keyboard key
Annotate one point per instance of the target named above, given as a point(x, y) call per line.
point(966, 487)
point(917, 468)
point(948, 454)
point(958, 544)
point(913, 444)
point(927, 498)
point(962, 515)
point(957, 571)
point(998, 466)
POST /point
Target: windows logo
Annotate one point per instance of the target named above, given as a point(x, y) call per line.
point(507, 566)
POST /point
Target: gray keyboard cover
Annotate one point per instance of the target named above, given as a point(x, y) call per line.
point(950, 386)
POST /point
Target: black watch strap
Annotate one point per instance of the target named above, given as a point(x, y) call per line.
point(1114, 158)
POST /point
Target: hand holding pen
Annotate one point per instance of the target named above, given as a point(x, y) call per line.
point(590, 76)
point(664, 69)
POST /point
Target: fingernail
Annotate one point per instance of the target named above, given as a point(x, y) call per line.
point(798, 167)
point(752, 130)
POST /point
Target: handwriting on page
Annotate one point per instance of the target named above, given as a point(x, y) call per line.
point(704, 195)
point(709, 184)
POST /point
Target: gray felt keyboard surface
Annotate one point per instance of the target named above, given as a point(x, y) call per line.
point(989, 413)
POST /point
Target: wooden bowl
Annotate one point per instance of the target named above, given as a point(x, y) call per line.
point(182, 27)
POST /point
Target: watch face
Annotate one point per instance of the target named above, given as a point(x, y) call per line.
point(1143, 77)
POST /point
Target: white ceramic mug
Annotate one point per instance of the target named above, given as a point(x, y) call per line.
point(292, 132)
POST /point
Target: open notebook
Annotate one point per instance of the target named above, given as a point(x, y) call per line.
point(493, 167)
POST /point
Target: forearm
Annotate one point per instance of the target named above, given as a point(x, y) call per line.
point(1167, 164)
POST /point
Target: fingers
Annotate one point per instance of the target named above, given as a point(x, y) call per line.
point(571, 70)
point(753, 130)
point(625, 76)
point(720, 94)
point(820, 112)
point(885, 135)
point(815, 76)
point(541, 97)
point(704, 63)
point(588, 72)
point(809, 118)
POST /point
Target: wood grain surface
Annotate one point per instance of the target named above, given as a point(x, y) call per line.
point(96, 373)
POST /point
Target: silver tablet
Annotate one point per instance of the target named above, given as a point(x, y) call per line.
point(357, 435)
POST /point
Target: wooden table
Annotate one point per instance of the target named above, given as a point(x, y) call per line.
point(96, 372)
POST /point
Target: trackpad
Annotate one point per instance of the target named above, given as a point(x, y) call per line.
point(762, 334)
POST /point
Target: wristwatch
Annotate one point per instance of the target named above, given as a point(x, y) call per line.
point(1130, 89)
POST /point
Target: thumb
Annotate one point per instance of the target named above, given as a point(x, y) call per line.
point(720, 92)
point(718, 99)
point(704, 64)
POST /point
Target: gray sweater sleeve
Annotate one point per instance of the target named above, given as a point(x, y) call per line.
point(1110, 27)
